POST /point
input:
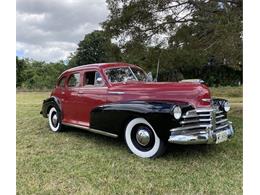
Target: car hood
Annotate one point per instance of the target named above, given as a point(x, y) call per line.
point(192, 93)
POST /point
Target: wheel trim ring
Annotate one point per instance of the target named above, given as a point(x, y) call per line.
point(143, 154)
point(54, 120)
point(53, 128)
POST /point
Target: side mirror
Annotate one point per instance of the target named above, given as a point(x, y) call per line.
point(149, 77)
point(99, 81)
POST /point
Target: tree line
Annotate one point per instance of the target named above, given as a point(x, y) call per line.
point(31, 74)
point(188, 38)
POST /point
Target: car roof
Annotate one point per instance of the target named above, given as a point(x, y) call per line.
point(98, 65)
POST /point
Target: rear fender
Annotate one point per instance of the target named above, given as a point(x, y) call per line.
point(48, 103)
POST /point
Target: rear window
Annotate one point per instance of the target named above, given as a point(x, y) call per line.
point(74, 80)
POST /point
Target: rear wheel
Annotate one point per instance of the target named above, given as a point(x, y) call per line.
point(54, 120)
point(142, 140)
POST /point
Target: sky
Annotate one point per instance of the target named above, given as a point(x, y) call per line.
point(50, 30)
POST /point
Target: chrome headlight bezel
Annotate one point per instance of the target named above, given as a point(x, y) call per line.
point(226, 106)
point(176, 112)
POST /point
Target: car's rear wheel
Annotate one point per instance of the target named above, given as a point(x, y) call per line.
point(142, 140)
point(54, 120)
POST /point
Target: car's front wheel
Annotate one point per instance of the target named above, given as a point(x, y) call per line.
point(54, 120)
point(142, 140)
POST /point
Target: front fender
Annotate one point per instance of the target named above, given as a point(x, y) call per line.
point(114, 117)
point(48, 103)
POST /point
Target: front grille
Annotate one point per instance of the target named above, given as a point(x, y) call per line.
point(198, 120)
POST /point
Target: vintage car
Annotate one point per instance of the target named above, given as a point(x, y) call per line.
point(118, 100)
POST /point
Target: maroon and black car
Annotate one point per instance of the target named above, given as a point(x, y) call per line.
point(119, 100)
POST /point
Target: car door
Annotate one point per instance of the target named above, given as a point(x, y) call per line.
point(70, 100)
point(93, 93)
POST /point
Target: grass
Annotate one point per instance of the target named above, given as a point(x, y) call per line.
point(228, 91)
point(79, 162)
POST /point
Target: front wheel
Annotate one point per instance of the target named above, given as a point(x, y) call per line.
point(142, 140)
point(54, 120)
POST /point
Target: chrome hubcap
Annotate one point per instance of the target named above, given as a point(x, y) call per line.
point(55, 119)
point(142, 137)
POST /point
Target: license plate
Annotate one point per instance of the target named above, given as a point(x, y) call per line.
point(221, 137)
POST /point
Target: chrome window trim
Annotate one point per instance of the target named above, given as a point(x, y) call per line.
point(116, 92)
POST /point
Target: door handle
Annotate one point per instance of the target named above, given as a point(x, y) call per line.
point(62, 92)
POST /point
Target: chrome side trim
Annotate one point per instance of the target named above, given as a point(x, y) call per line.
point(92, 130)
point(116, 92)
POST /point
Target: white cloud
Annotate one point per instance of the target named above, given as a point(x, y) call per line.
point(30, 18)
point(50, 51)
point(50, 30)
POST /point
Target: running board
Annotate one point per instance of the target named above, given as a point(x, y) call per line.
point(92, 130)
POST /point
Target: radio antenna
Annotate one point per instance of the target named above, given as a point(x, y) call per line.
point(157, 72)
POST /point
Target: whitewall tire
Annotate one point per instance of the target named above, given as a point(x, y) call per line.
point(142, 140)
point(54, 120)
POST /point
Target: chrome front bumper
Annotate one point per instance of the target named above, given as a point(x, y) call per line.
point(202, 126)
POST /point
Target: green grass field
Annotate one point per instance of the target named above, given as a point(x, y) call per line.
point(79, 162)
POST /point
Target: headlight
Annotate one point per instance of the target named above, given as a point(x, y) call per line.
point(176, 112)
point(226, 106)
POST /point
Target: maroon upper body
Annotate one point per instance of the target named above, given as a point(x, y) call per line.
point(77, 101)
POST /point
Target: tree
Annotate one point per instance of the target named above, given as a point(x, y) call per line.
point(96, 47)
point(20, 66)
point(33, 74)
point(210, 29)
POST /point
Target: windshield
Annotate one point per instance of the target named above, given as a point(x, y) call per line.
point(139, 73)
point(124, 74)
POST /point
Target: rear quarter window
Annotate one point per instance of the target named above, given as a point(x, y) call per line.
point(74, 80)
point(61, 82)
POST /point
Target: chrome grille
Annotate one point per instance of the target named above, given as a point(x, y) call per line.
point(198, 120)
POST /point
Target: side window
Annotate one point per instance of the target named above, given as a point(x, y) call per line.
point(62, 82)
point(74, 80)
point(93, 78)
